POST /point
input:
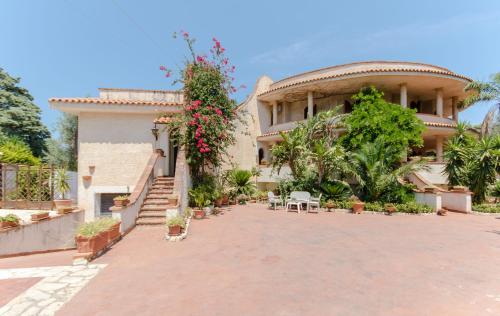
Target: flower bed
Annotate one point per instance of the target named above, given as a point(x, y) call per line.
point(93, 238)
point(486, 208)
point(375, 207)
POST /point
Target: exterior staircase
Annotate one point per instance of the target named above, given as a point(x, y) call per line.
point(156, 202)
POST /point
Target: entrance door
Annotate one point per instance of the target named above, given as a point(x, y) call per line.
point(172, 157)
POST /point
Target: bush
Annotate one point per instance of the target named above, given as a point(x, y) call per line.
point(336, 190)
point(16, 152)
point(177, 221)
point(374, 207)
point(10, 218)
point(412, 207)
point(89, 229)
point(486, 208)
point(344, 204)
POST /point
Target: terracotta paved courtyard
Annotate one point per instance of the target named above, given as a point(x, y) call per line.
point(253, 261)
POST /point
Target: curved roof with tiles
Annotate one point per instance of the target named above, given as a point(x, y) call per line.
point(360, 68)
point(114, 101)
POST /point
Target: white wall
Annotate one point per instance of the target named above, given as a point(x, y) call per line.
point(431, 199)
point(51, 234)
point(457, 201)
point(119, 146)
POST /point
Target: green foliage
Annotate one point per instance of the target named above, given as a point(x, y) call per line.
point(62, 152)
point(19, 116)
point(291, 152)
point(89, 229)
point(378, 168)
point(336, 190)
point(412, 207)
point(495, 190)
point(374, 207)
point(240, 182)
point(10, 218)
point(344, 204)
point(486, 208)
point(374, 118)
point(176, 221)
point(121, 197)
point(14, 151)
point(200, 197)
point(105, 223)
point(61, 181)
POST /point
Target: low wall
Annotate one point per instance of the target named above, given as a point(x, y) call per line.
point(55, 233)
point(431, 199)
point(457, 201)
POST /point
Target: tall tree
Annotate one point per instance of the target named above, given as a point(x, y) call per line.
point(485, 91)
point(19, 116)
point(64, 150)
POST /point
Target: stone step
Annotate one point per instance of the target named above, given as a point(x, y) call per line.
point(161, 191)
point(157, 195)
point(151, 221)
point(151, 201)
point(143, 214)
point(160, 186)
point(153, 207)
point(165, 178)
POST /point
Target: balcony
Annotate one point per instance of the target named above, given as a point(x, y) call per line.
point(436, 121)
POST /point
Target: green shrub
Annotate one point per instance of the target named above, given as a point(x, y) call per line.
point(17, 152)
point(105, 223)
point(177, 221)
point(89, 229)
point(374, 207)
point(344, 204)
point(10, 218)
point(413, 207)
point(336, 190)
point(486, 208)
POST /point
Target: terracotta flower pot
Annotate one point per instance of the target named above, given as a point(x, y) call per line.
point(218, 202)
point(174, 230)
point(390, 209)
point(329, 206)
point(358, 207)
point(92, 244)
point(8, 224)
point(39, 216)
point(114, 232)
point(120, 203)
point(62, 203)
point(199, 214)
point(225, 200)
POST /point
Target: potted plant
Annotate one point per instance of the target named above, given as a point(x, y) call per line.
point(89, 238)
point(329, 205)
point(9, 221)
point(175, 225)
point(218, 198)
point(109, 227)
point(38, 216)
point(242, 199)
point(198, 196)
point(390, 208)
point(172, 199)
point(121, 201)
point(61, 185)
point(357, 206)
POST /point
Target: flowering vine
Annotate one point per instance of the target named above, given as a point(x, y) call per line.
point(206, 127)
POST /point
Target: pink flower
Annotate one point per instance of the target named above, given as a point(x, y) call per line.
point(162, 68)
point(219, 112)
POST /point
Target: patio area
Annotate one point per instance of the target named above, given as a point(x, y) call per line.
point(255, 261)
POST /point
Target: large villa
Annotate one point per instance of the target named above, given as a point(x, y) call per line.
point(123, 144)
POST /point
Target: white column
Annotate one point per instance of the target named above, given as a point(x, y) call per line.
point(454, 109)
point(275, 112)
point(284, 112)
point(403, 95)
point(439, 102)
point(439, 148)
point(310, 104)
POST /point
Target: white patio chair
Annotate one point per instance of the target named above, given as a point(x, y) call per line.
point(297, 198)
point(274, 200)
point(314, 202)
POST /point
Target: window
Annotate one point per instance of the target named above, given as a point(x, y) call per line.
point(107, 202)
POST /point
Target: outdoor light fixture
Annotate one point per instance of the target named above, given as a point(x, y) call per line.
point(155, 132)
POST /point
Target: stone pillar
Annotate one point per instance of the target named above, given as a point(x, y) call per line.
point(310, 104)
point(454, 109)
point(284, 112)
point(439, 148)
point(275, 112)
point(403, 95)
point(439, 102)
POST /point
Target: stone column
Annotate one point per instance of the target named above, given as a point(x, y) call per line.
point(454, 109)
point(284, 112)
point(403, 95)
point(439, 148)
point(275, 112)
point(310, 104)
point(439, 102)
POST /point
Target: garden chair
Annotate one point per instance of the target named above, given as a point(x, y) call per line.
point(314, 203)
point(297, 198)
point(274, 200)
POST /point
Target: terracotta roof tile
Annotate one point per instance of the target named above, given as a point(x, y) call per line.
point(113, 101)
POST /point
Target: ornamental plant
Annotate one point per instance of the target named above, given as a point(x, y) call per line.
point(206, 127)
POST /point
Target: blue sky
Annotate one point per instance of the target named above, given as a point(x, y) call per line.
point(69, 48)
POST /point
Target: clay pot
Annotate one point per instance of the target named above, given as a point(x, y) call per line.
point(358, 207)
point(114, 232)
point(39, 216)
point(120, 203)
point(218, 202)
point(5, 225)
point(199, 214)
point(174, 230)
point(329, 206)
point(92, 244)
point(225, 200)
point(390, 209)
point(62, 203)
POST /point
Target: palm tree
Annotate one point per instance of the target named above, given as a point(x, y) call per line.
point(484, 166)
point(457, 155)
point(290, 151)
point(240, 181)
point(378, 168)
point(485, 91)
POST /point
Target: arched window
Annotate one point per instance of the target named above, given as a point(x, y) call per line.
point(347, 107)
point(261, 155)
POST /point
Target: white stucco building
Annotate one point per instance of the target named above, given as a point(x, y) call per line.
point(117, 134)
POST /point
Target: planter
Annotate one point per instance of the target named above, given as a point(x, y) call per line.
point(114, 232)
point(87, 178)
point(8, 224)
point(92, 244)
point(225, 200)
point(390, 208)
point(120, 203)
point(218, 202)
point(358, 207)
point(199, 214)
point(174, 230)
point(65, 203)
point(39, 216)
point(329, 206)
point(65, 210)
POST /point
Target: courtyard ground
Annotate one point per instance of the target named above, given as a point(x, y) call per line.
point(255, 261)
